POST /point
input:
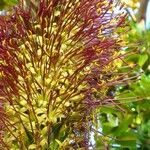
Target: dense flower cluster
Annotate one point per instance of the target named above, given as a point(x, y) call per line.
point(55, 66)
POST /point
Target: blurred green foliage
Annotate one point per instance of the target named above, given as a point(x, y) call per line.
point(128, 127)
point(4, 4)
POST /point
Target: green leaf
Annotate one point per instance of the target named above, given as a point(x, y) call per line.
point(143, 86)
point(142, 59)
point(123, 126)
point(4, 4)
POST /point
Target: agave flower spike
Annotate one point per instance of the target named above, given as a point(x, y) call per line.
point(53, 62)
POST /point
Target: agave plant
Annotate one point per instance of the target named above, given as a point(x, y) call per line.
point(56, 66)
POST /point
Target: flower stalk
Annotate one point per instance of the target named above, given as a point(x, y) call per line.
point(53, 63)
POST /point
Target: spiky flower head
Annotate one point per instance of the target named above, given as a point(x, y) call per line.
point(54, 60)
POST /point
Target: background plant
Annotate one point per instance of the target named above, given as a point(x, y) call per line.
point(129, 129)
point(4, 4)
